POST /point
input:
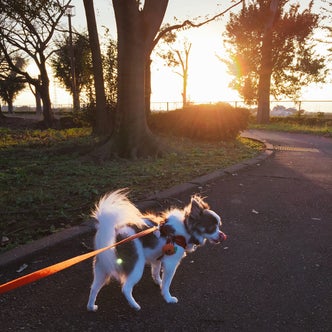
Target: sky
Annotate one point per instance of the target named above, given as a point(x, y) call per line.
point(208, 78)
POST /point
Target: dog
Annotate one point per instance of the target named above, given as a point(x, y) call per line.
point(179, 232)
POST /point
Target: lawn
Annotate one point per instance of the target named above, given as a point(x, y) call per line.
point(47, 184)
point(324, 130)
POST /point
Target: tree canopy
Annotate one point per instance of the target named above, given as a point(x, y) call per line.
point(11, 84)
point(61, 62)
point(27, 29)
point(292, 60)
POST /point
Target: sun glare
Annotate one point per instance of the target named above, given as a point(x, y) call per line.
point(207, 79)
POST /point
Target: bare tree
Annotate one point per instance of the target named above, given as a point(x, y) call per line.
point(166, 32)
point(27, 27)
point(179, 58)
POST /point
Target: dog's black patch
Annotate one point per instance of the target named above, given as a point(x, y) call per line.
point(127, 254)
point(149, 240)
point(209, 222)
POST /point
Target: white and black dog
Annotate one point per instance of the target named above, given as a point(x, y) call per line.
point(180, 231)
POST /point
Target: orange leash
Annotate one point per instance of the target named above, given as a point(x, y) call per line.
point(47, 271)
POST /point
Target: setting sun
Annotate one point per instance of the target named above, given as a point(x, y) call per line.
point(207, 78)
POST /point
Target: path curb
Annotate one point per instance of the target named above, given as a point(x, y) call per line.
point(21, 252)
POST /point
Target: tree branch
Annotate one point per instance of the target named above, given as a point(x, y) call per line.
point(190, 24)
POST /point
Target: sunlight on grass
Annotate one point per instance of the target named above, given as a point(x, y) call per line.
point(44, 190)
point(325, 130)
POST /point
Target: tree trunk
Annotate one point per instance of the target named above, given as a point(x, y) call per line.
point(132, 133)
point(136, 28)
point(44, 91)
point(147, 90)
point(76, 99)
point(263, 109)
point(103, 127)
point(184, 62)
point(2, 116)
point(184, 91)
point(38, 103)
point(10, 107)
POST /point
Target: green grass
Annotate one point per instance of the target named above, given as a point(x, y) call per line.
point(47, 186)
point(325, 130)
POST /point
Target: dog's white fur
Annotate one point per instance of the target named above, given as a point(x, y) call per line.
point(117, 216)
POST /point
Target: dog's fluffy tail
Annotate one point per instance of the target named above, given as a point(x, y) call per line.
point(113, 211)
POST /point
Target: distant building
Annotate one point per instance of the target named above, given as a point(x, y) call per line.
point(280, 110)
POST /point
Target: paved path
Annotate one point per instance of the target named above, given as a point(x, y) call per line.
point(274, 273)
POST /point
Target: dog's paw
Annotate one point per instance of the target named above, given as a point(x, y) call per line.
point(92, 308)
point(157, 281)
point(172, 299)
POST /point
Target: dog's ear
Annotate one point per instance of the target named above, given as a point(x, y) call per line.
point(196, 208)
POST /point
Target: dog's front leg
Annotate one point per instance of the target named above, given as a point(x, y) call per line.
point(155, 272)
point(170, 264)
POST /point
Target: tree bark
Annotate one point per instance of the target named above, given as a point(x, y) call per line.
point(43, 89)
point(39, 110)
point(2, 116)
point(103, 126)
point(264, 84)
point(147, 89)
point(263, 110)
point(10, 107)
point(136, 28)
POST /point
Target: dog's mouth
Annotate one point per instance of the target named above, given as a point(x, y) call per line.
point(221, 238)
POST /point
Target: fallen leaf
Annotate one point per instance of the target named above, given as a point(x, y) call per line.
point(22, 268)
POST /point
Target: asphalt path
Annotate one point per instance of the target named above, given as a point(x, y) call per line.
point(274, 272)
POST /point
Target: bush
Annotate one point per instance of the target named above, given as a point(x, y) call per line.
point(87, 115)
point(204, 122)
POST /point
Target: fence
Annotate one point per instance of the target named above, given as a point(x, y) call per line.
point(306, 105)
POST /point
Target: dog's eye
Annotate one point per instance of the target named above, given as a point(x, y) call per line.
point(210, 228)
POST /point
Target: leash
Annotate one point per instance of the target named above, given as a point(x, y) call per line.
point(47, 271)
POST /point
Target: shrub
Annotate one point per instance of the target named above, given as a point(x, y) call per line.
point(204, 122)
point(87, 115)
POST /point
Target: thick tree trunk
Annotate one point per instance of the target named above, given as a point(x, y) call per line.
point(263, 110)
point(136, 28)
point(132, 133)
point(103, 127)
point(264, 85)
